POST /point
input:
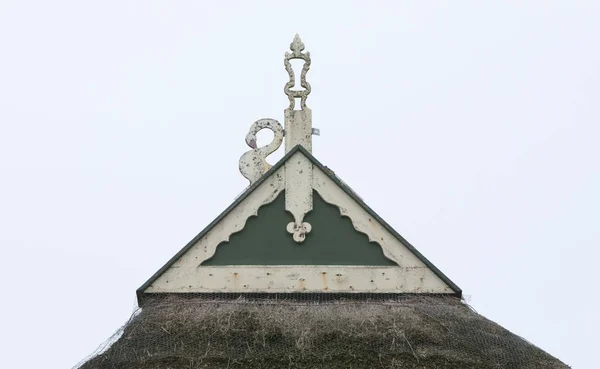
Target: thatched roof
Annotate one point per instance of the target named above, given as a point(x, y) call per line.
point(404, 332)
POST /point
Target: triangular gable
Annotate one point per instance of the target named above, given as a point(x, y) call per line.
point(191, 269)
point(332, 241)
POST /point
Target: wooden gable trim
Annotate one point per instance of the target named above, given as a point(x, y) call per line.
point(333, 191)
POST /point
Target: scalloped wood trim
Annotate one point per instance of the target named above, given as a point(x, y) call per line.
point(410, 276)
point(232, 223)
point(392, 247)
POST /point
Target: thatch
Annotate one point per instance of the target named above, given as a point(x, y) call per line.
point(407, 332)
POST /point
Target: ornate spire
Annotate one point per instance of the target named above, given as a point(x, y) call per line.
point(297, 46)
point(298, 123)
point(298, 132)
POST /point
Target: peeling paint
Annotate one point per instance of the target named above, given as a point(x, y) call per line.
point(412, 275)
point(307, 278)
point(253, 164)
point(298, 195)
point(297, 46)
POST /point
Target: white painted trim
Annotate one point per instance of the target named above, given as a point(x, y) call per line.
point(303, 278)
point(232, 223)
point(253, 164)
point(298, 129)
point(410, 276)
point(362, 221)
point(298, 194)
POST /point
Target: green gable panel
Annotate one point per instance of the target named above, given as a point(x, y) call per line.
point(332, 241)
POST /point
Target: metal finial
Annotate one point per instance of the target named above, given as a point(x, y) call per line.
point(297, 46)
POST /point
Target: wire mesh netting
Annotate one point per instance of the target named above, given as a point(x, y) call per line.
point(176, 332)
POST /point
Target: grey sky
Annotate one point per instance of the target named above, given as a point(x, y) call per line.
point(471, 127)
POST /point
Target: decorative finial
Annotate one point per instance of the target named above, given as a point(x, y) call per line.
point(297, 46)
point(298, 132)
point(253, 164)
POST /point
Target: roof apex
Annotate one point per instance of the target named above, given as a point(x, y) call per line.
point(264, 191)
point(285, 255)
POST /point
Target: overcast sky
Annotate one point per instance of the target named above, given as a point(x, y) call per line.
point(471, 127)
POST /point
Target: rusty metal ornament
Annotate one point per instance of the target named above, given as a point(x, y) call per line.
point(253, 164)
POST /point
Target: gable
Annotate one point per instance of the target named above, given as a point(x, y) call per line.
point(265, 241)
point(349, 248)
